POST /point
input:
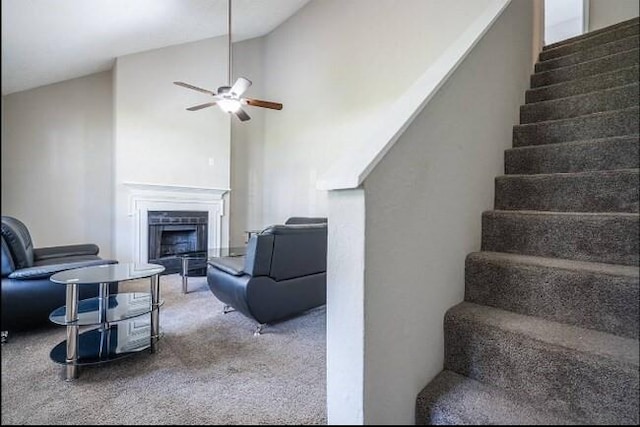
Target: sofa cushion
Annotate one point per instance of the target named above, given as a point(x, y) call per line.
point(19, 242)
point(47, 269)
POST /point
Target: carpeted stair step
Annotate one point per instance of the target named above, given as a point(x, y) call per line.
point(589, 54)
point(593, 191)
point(628, 22)
point(591, 126)
point(594, 237)
point(594, 102)
point(578, 156)
point(589, 42)
point(585, 69)
point(615, 78)
point(590, 374)
point(454, 399)
point(591, 295)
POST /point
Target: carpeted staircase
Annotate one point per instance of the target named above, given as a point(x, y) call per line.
point(548, 330)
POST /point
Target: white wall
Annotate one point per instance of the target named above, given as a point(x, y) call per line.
point(538, 29)
point(156, 140)
point(423, 205)
point(603, 13)
point(345, 307)
point(563, 19)
point(247, 142)
point(333, 64)
point(57, 157)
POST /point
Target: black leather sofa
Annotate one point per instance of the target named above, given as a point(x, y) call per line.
point(28, 296)
point(282, 274)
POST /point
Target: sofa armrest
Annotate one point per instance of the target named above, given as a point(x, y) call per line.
point(40, 254)
point(45, 271)
point(233, 265)
point(257, 260)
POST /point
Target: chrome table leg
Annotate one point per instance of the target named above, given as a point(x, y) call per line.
point(155, 312)
point(71, 315)
point(185, 273)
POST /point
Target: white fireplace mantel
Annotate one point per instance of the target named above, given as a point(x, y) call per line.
point(145, 197)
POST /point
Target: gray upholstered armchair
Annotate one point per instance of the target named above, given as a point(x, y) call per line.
point(282, 274)
point(28, 296)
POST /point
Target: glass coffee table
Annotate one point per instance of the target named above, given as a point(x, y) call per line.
point(188, 257)
point(122, 329)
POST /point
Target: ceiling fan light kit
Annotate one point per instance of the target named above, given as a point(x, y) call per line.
point(229, 105)
point(228, 97)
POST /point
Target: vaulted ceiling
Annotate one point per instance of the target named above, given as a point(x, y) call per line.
point(47, 41)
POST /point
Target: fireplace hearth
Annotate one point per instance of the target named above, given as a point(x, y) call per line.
point(172, 233)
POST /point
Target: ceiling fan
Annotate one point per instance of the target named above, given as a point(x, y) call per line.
point(229, 98)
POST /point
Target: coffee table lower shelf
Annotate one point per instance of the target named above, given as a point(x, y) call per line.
point(100, 345)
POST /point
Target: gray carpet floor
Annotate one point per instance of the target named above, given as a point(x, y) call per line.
point(209, 369)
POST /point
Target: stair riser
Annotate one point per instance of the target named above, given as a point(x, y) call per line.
point(588, 55)
point(595, 102)
point(581, 86)
point(590, 42)
point(586, 69)
point(591, 387)
point(627, 23)
point(609, 191)
point(589, 299)
point(602, 125)
point(584, 237)
point(617, 153)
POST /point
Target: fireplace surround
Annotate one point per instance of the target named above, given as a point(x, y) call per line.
point(145, 197)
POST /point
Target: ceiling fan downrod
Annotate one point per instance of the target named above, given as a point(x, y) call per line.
point(229, 97)
point(229, 54)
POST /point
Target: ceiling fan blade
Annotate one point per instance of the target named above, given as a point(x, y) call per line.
point(242, 115)
point(264, 104)
point(201, 106)
point(240, 86)
point(199, 89)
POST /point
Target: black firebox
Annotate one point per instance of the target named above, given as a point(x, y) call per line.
point(172, 233)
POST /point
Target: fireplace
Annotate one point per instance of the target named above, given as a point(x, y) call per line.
point(172, 233)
